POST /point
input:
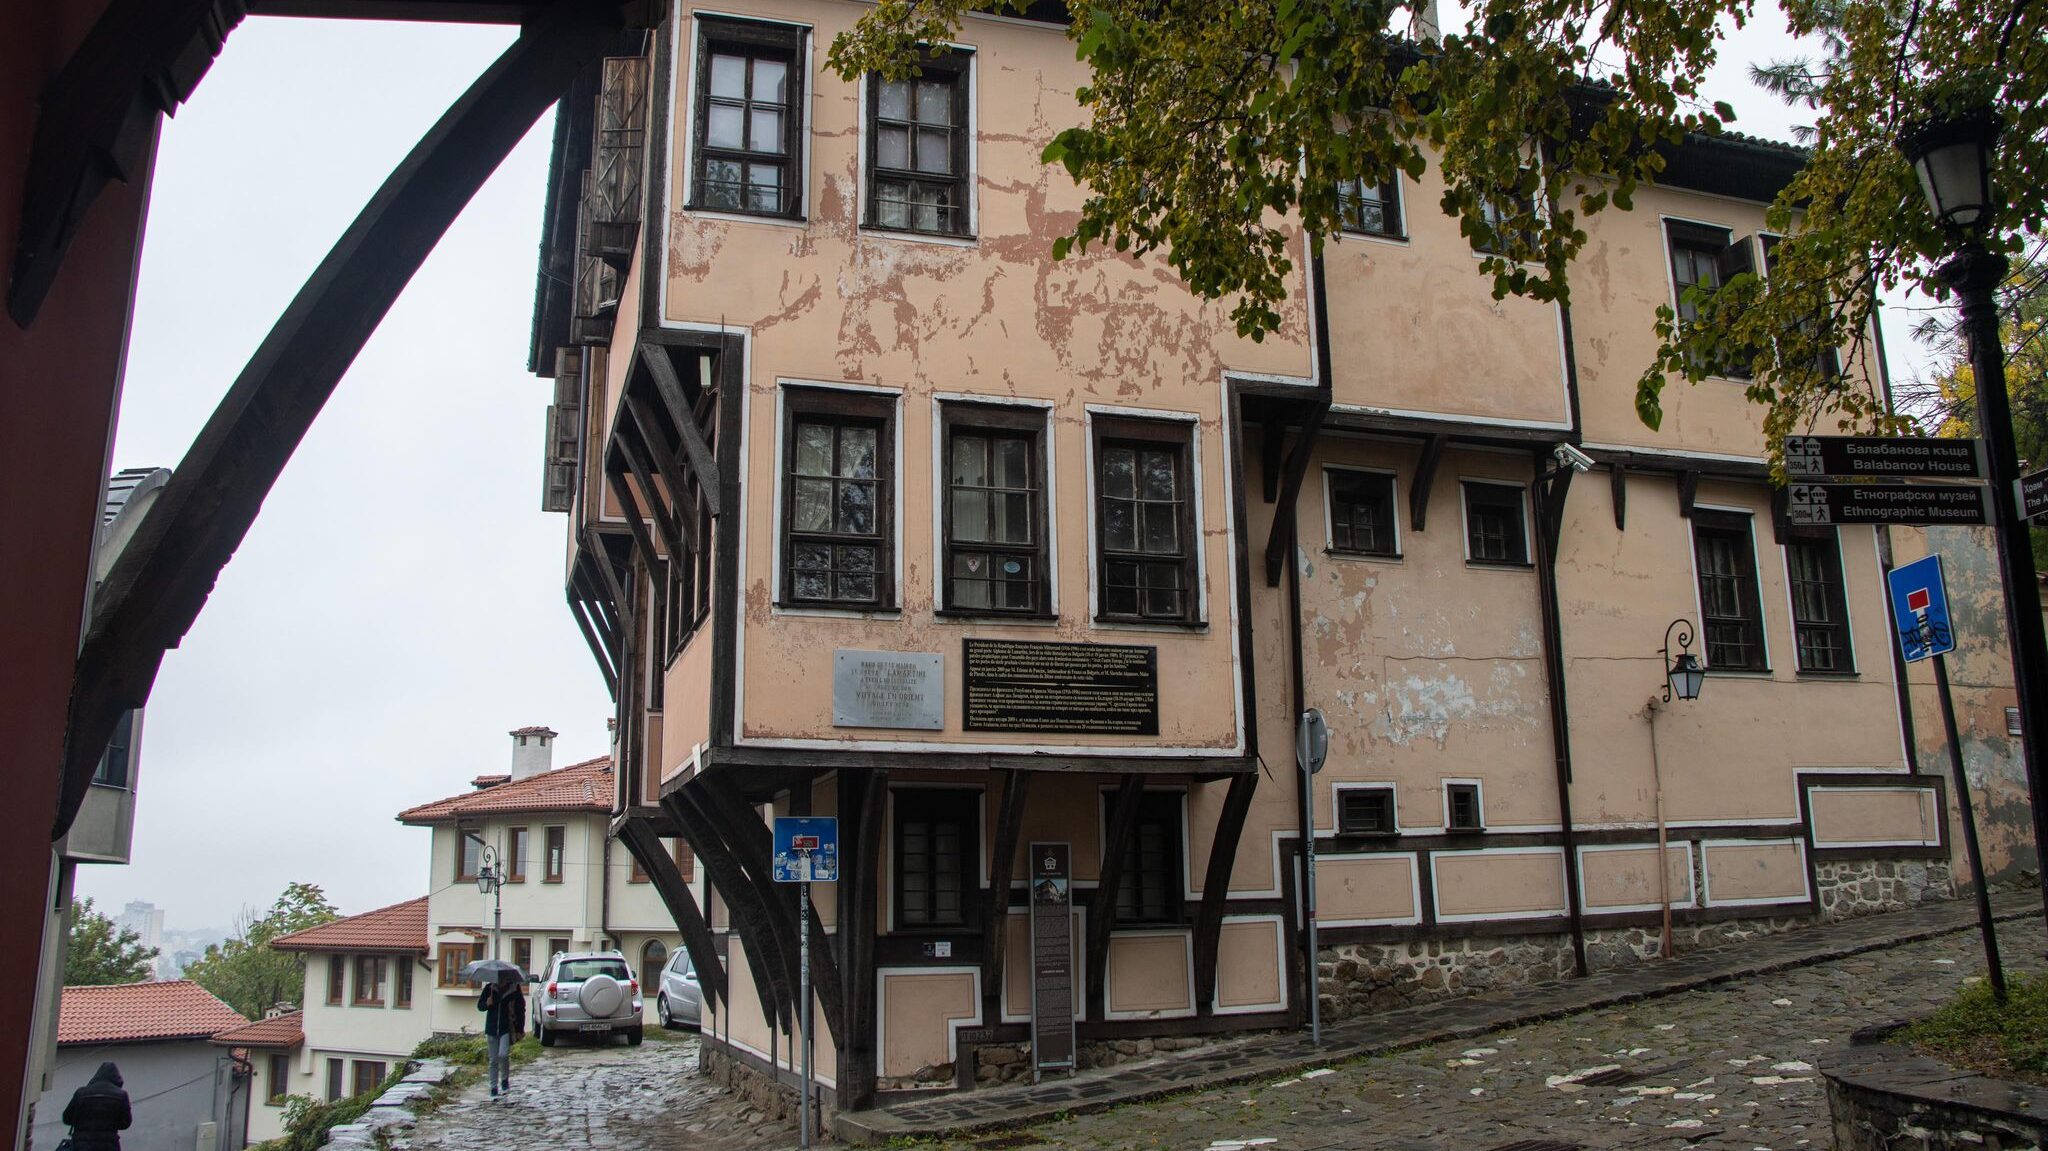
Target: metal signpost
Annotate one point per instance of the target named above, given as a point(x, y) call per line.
point(1920, 616)
point(1311, 747)
point(806, 852)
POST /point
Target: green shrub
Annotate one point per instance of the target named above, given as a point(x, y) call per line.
point(469, 1050)
point(2008, 1040)
point(307, 1120)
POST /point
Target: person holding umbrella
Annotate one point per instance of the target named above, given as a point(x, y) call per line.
point(504, 1006)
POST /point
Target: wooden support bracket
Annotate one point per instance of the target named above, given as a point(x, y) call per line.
point(661, 869)
point(1688, 491)
point(1237, 804)
point(1425, 480)
point(1617, 483)
point(1123, 823)
point(669, 386)
point(1280, 541)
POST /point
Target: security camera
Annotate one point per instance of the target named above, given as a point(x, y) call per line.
point(1569, 456)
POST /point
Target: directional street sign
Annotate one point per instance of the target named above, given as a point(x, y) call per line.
point(1890, 457)
point(1920, 609)
point(806, 849)
point(1825, 504)
point(2032, 495)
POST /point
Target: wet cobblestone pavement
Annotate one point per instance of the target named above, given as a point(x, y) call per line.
point(1732, 1066)
point(606, 1098)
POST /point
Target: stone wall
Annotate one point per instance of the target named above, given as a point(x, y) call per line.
point(1886, 1098)
point(1869, 886)
point(764, 1093)
point(997, 1063)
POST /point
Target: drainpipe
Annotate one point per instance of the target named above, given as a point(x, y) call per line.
point(1321, 314)
point(1560, 716)
point(604, 900)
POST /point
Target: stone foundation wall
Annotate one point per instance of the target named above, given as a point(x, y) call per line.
point(997, 1063)
point(1869, 886)
point(764, 1093)
point(1886, 1098)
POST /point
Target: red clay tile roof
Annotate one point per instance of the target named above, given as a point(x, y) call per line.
point(399, 927)
point(139, 1012)
point(280, 1032)
point(536, 729)
point(483, 781)
point(585, 786)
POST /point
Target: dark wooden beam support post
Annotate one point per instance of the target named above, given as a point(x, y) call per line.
point(166, 572)
point(669, 386)
point(597, 647)
point(1425, 480)
point(863, 804)
point(649, 427)
point(1271, 462)
point(742, 900)
point(1123, 824)
point(1280, 541)
point(1237, 805)
point(1688, 491)
point(657, 509)
point(674, 890)
point(1002, 866)
point(1617, 483)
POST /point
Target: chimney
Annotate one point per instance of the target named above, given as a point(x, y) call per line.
point(533, 751)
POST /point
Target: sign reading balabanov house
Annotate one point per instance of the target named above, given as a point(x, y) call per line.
point(888, 689)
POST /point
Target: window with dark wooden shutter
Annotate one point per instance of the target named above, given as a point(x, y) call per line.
point(1366, 811)
point(1361, 513)
point(1828, 361)
point(1820, 610)
point(918, 178)
point(937, 853)
point(1145, 530)
point(994, 515)
point(1730, 607)
point(1151, 887)
point(1495, 529)
point(1703, 260)
point(749, 118)
point(1370, 209)
point(838, 522)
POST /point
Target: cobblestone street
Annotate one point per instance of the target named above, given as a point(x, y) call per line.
point(1726, 1067)
point(608, 1098)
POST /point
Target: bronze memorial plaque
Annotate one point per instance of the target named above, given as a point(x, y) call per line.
point(1073, 688)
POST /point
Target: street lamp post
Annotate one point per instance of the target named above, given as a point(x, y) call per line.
point(1683, 678)
point(490, 880)
point(1952, 158)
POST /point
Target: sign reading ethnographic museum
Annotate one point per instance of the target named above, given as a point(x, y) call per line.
point(1894, 457)
point(1825, 504)
point(1052, 956)
point(888, 689)
point(1074, 688)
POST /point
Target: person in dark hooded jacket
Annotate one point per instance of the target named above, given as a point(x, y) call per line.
point(98, 1112)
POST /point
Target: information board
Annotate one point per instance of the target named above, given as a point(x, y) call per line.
point(1825, 504)
point(1073, 688)
point(1895, 457)
point(1052, 956)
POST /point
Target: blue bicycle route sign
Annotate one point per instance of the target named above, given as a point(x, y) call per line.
point(806, 849)
point(1920, 609)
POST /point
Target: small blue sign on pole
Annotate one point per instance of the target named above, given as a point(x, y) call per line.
point(806, 849)
point(1920, 609)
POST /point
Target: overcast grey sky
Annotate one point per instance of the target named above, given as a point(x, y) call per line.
point(397, 607)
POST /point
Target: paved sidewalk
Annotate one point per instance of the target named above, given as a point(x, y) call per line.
point(1272, 1056)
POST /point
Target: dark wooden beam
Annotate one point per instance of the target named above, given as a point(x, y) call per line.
point(1688, 491)
point(636, 523)
point(1551, 490)
point(645, 846)
point(165, 574)
point(1425, 480)
point(680, 499)
point(1280, 541)
point(742, 903)
point(1781, 515)
point(657, 509)
point(597, 647)
point(1617, 483)
point(1002, 865)
point(669, 386)
point(753, 759)
point(1123, 823)
point(1271, 462)
point(1237, 804)
point(866, 790)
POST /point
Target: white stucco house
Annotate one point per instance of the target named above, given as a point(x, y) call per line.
point(367, 1003)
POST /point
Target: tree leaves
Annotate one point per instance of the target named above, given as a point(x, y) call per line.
point(249, 975)
point(100, 952)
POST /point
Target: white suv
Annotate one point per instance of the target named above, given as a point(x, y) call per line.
point(587, 992)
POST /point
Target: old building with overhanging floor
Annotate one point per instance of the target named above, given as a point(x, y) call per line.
point(876, 511)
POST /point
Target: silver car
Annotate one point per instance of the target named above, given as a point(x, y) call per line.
point(588, 993)
point(679, 1001)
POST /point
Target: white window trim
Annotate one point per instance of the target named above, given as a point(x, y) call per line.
point(1444, 796)
point(971, 184)
point(1198, 539)
point(1394, 508)
point(685, 100)
point(981, 849)
point(1848, 612)
point(890, 610)
point(1699, 606)
point(1048, 457)
point(1337, 791)
point(1401, 183)
point(1465, 524)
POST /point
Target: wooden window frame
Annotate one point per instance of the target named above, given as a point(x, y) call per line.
point(1114, 432)
point(755, 39)
point(377, 1070)
point(517, 841)
point(522, 954)
point(372, 966)
point(1712, 247)
point(957, 64)
point(277, 1079)
point(465, 869)
point(993, 421)
point(337, 1079)
point(1739, 528)
point(401, 981)
point(1351, 209)
point(637, 873)
point(911, 803)
point(554, 950)
point(839, 409)
point(554, 853)
point(1834, 590)
point(337, 980)
point(451, 960)
point(1379, 792)
point(1490, 498)
point(1166, 810)
point(1335, 475)
point(1453, 789)
point(686, 858)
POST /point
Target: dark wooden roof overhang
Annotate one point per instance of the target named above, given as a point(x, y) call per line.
point(1686, 471)
point(762, 773)
point(163, 577)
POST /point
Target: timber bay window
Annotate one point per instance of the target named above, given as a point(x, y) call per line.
point(1151, 887)
point(454, 957)
point(937, 855)
point(1145, 522)
point(994, 516)
point(1496, 530)
point(1820, 603)
point(1366, 811)
point(838, 521)
point(918, 178)
point(1731, 610)
point(748, 135)
point(1361, 512)
point(1370, 209)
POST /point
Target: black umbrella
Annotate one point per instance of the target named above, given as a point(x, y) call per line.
point(490, 970)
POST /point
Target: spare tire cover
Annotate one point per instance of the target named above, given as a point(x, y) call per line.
point(600, 996)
